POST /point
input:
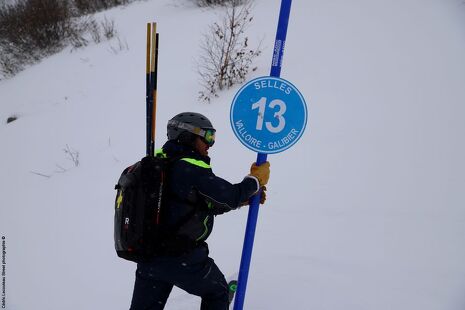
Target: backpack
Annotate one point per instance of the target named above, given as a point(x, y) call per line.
point(139, 208)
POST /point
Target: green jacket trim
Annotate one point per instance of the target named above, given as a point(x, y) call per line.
point(192, 161)
point(160, 153)
point(198, 163)
point(205, 232)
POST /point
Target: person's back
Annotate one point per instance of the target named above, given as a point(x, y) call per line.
point(195, 196)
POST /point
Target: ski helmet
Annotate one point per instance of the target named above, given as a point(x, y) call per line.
point(185, 126)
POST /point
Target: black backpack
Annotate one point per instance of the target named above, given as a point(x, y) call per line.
point(139, 209)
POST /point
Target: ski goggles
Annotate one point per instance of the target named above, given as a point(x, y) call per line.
point(207, 134)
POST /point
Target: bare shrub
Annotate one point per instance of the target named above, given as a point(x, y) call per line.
point(108, 28)
point(94, 30)
point(72, 155)
point(226, 56)
point(10, 58)
point(40, 23)
point(77, 37)
point(120, 46)
point(33, 29)
point(30, 30)
point(88, 26)
point(203, 3)
point(91, 6)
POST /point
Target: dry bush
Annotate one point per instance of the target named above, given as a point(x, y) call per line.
point(108, 28)
point(33, 29)
point(203, 3)
point(30, 30)
point(91, 6)
point(226, 56)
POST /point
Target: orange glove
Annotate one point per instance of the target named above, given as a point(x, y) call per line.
point(262, 172)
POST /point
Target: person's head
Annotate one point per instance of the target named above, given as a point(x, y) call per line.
point(192, 129)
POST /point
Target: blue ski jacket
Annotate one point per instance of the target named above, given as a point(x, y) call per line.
point(196, 195)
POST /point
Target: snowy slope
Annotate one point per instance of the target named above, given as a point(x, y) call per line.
point(365, 212)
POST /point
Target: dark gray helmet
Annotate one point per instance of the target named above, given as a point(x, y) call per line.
point(184, 126)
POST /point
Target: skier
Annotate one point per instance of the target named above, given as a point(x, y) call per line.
point(195, 196)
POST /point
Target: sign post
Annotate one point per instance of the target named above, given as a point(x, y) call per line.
point(268, 115)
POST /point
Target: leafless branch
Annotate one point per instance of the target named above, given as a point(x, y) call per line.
point(72, 154)
point(226, 57)
point(41, 174)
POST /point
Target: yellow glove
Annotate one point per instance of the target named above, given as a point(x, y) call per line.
point(262, 172)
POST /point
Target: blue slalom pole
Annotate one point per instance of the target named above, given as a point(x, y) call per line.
point(276, 63)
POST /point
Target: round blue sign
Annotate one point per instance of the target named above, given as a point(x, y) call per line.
point(268, 115)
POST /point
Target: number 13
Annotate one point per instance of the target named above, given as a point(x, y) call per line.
point(261, 105)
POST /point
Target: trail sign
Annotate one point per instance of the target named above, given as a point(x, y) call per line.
point(268, 115)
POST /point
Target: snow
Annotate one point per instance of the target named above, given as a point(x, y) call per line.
point(366, 211)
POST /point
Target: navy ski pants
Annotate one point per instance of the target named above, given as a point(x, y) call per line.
point(195, 272)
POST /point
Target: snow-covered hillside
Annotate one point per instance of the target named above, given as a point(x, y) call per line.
point(365, 212)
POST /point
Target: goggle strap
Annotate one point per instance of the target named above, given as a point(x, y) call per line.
point(195, 130)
